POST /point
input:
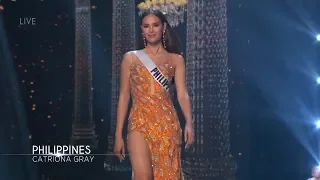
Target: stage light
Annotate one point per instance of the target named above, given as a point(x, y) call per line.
point(318, 80)
point(318, 37)
point(317, 124)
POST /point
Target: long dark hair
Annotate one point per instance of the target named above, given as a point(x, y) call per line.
point(170, 36)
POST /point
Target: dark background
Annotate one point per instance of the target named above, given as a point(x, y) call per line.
point(270, 41)
point(273, 58)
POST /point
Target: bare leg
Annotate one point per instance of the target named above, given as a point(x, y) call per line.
point(140, 156)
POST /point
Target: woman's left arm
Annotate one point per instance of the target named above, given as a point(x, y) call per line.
point(183, 99)
point(182, 92)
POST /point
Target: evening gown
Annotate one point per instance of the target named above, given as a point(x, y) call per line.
point(154, 116)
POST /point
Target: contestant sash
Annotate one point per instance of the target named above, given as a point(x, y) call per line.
point(153, 69)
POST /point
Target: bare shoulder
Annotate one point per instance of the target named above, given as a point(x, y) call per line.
point(128, 54)
point(177, 59)
point(127, 58)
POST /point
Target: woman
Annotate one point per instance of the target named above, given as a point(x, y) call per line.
point(154, 133)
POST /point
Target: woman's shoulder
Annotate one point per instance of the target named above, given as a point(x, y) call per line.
point(130, 53)
point(130, 57)
point(176, 58)
point(133, 51)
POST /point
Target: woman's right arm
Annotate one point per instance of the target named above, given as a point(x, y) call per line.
point(124, 95)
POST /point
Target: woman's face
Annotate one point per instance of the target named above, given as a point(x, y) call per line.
point(152, 29)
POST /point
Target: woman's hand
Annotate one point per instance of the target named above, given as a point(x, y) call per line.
point(119, 148)
point(189, 134)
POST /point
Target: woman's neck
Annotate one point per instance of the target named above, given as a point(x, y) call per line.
point(154, 49)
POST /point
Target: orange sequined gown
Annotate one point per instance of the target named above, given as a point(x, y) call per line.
point(154, 115)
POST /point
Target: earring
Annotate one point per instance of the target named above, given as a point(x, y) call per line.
point(163, 40)
point(144, 41)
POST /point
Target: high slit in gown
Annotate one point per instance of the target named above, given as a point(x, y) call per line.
point(154, 116)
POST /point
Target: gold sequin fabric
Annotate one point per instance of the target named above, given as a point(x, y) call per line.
point(154, 115)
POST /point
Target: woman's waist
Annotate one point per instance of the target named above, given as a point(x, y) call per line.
point(151, 101)
point(141, 118)
point(148, 110)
